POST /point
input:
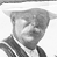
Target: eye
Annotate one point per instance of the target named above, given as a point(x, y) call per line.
point(42, 26)
point(26, 18)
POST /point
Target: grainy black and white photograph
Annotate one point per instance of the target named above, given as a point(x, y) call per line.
point(28, 28)
point(17, 1)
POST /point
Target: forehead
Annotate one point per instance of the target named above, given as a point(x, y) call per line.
point(32, 14)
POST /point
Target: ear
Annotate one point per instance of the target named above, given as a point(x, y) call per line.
point(12, 17)
point(52, 16)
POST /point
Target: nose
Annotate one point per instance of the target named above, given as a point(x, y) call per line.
point(34, 24)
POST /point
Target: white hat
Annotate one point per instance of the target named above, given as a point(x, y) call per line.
point(8, 8)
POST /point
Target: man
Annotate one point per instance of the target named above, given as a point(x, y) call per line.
point(28, 29)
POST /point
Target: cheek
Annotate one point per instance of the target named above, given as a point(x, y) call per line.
point(42, 32)
point(18, 27)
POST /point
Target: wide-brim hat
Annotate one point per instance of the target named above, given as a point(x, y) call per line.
point(9, 8)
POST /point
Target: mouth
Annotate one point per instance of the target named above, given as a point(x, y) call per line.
point(32, 34)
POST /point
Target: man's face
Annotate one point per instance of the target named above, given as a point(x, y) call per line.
point(29, 27)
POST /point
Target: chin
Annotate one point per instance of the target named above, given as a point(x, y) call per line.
point(32, 39)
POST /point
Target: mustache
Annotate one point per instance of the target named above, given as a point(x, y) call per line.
point(31, 30)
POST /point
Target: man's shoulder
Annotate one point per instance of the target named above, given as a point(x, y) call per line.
point(10, 37)
point(41, 51)
point(40, 48)
point(5, 47)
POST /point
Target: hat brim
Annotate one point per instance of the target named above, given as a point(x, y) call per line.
point(9, 9)
point(9, 12)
